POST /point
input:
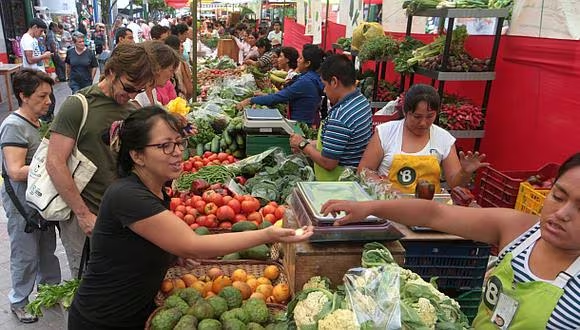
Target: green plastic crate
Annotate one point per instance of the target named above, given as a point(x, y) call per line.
point(469, 302)
point(256, 144)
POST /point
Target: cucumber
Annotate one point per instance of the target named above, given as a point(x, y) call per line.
point(199, 149)
point(185, 155)
point(243, 226)
point(240, 140)
point(223, 142)
point(227, 137)
point(233, 145)
point(207, 146)
point(260, 252)
point(240, 126)
point(239, 154)
point(215, 144)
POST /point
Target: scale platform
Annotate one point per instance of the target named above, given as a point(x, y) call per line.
point(266, 121)
point(307, 212)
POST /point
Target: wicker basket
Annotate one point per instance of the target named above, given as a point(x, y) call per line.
point(254, 267)
point(273, 308)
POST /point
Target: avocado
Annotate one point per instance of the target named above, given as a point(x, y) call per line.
point(244, 226)
point(260, 252)
point(202, 231)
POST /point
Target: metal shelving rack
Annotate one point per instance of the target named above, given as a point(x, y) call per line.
point(444, 75)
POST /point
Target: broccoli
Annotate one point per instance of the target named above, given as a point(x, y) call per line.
point(257, 310)
point(175, 301)
point(166, 319)
point(339, 319)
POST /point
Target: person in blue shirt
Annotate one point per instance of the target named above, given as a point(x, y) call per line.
point(303, 93)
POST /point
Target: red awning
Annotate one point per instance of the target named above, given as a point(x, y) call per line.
point(177, 3)
point(373, 2)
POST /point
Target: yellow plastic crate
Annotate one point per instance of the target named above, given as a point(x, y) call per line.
point(530, 200)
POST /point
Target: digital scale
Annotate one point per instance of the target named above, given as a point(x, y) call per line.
point(307, 199)
point(268, 121)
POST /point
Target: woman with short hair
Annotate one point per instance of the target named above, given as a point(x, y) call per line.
point(81, 64)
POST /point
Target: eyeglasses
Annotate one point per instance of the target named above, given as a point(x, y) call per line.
point(131, 89)
point(169, 147)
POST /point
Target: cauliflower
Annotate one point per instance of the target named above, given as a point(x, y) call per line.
point(307, 310)
point(426, 312)
point(339, 319)
point(317, 282)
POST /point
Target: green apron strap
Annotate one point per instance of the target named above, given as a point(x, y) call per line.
point(320, 173)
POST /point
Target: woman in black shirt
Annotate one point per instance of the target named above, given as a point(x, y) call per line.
point(136, 237)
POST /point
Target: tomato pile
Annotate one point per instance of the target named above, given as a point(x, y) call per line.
point(193, 164)
point(217, 207)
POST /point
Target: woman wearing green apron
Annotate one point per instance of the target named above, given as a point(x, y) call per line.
point(344, 134)
point(413, 149)
point(536, 283)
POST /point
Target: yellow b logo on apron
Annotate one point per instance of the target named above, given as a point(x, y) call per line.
point(406, 170)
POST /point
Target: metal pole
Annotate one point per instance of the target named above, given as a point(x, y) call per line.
point(146, 9)
point(194, 49)
point(326, 25)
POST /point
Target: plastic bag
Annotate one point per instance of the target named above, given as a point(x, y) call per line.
point(378, 186)
point(373, 295)
point(365, 31)
point(389, 109)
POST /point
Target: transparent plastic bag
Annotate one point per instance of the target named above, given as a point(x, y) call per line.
point(378, 186)
point(373, 295)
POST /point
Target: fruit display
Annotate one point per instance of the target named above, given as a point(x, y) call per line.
point(457, 63)
point(217, 207)
point(460, 115)
point(236, 282)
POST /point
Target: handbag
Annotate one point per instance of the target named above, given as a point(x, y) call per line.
point(41, 193)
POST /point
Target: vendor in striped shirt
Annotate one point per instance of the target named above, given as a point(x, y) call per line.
point(345, 133)
point(535, 283)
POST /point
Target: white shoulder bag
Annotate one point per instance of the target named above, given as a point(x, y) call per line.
point(41, 193)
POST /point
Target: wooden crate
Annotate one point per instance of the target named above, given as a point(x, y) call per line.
point(333, 260)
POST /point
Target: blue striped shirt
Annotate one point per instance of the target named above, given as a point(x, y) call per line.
point(566, 315)
point(347, 131)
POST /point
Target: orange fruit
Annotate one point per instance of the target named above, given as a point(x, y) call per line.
point(244, 288)
point(265, 289)
point(264, 280)
point(166, 286)
point(258, 295)
point(189, 279)
point(253, 283)
point(271, 272)
point(239, 275)
point(178, 283)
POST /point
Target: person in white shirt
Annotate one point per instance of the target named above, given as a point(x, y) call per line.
point(31, 55)
point(136, 29)
point(275, 34)
point(165, 21)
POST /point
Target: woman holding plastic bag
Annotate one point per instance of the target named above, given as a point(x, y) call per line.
point(536, 281)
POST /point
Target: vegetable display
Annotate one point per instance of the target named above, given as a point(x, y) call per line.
point(436, 47)
point(344, 43)
point(459, 114)
point(378, 48)
point(50, 295)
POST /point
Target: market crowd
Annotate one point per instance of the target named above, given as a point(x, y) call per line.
point(137, 147)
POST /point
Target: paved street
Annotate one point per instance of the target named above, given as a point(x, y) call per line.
point(53, 319)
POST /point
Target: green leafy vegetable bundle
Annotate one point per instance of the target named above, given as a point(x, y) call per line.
point(378, 48)
point(50, 295)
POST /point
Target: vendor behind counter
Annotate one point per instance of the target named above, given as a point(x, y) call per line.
point(414, 148)
point(344, 134)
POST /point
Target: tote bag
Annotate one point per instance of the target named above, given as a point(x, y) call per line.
point(41, 193)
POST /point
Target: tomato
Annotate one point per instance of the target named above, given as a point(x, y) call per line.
point(189, 219)
point(280, 210)
point(216, 162)
point(217, 199)
point(248, 198)
point(174, 203)
point(274, 204)
point(239, 198)
point(205, 162)
point(198, 164)
point(200, 206)
point(210, 208)
point(206, 196)
point(235, 205)
point(183, 197)
point(225, 213)
point(201, 220)
point(195, 158)
point(239, 217)
point(225, 162)
point(181, 208)
point(194, 199)
point(194, 226)
point(230, 159)
point(180, 215)
point(268, 209)
point(248, 207)
point(225, 224)
point(193, 211)
point(207, 154)
point(187, 166)
point(255, 216)
point(270, 218)
point(227, 199)
point(211, 221)
point(222, 156)
point(212, 157)
point(187, 202)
